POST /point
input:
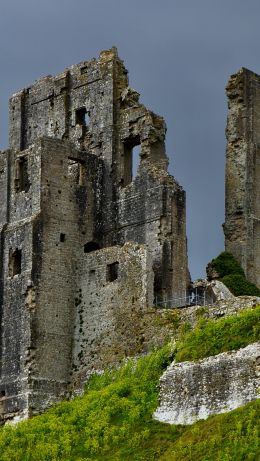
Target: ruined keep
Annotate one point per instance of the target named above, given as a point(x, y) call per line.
point(85, 247)
point(242, 220)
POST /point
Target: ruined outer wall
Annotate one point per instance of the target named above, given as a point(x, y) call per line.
point(91, 105)
point(49, 223)
point(68, 197)
point(18, 218)
point(152, 211)
point(3, 221)
point(114, 292)
point(54, 282)
point(55, 107)
point(77, 106)
point(242, 221)
point(151, 206)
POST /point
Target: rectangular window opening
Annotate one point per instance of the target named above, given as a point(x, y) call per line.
point(77, 171)
point(132, 151)
point(15, 262)
point(112, 271)
point(62, 237)
point(82, 117)
point(92, 274)
point(136, 160)
point(21, 175)
point(84, 70)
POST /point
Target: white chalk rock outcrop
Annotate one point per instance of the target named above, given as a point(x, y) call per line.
point(190, 391)
point(221, 292)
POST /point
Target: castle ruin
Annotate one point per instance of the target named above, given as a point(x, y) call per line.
point(242, 221)
point(85, 247)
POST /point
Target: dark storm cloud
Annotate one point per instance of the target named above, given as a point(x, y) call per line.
point(180, 54)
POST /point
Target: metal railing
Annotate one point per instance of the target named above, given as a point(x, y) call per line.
point(188, 298)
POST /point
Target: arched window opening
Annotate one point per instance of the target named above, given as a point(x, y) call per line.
point(91, 246)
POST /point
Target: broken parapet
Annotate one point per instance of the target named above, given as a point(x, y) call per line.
point(190, 391)
point(242, 198)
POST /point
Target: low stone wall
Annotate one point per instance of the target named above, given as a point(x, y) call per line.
point(223, 308)
point(190, 391)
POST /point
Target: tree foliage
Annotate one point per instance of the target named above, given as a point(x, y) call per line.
point(226, 264)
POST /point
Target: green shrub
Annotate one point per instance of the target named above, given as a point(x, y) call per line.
point(239, 285)
point(232, 275)
point(226, 264)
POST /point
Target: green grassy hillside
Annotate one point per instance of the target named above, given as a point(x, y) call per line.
point(113, 420)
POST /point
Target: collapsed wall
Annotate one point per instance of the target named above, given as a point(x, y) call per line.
point(242, 219)
point(85, 246)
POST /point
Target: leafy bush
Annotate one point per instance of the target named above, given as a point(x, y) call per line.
point(232, 275)
point(226, 264)
point(239, 285)
point(215, 336)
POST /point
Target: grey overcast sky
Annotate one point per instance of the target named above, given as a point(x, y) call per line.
point(179, 53)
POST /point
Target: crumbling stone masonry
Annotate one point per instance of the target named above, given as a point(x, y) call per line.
point(190, 391)
point(242, 221)
point(85, 247)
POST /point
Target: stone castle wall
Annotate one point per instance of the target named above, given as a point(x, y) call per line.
point(85, 247)
point(242, 221)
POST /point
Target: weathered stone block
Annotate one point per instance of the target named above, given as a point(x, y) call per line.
point(190, 391)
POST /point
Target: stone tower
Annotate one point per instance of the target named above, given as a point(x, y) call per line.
point(242, 221)
point(85, 247)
